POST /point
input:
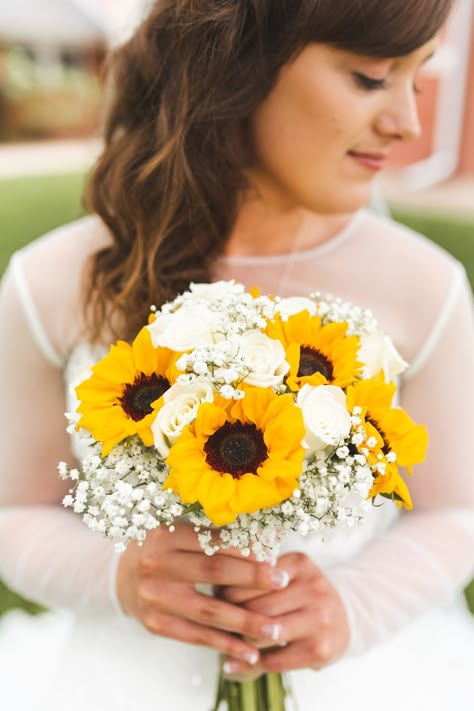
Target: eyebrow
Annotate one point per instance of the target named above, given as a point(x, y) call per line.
point(429, 56)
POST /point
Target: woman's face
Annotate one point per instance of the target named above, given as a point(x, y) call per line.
point(327, 127)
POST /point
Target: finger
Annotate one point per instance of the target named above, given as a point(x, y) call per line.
point(185, 602)
point(311, 652)
point(299, 566)
point(301, 654)
point(217, 570)
point(243, 677)
point(296, 596)
point(181, 537)
point(238, 595)
point(193, 633)
point(296, 625)
point(291, 567)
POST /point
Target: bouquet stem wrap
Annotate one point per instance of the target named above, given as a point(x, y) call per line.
point(270, 692)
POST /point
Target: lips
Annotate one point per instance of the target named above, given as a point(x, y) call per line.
point(374, 161)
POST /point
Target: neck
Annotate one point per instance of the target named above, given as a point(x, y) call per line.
point(263, 228)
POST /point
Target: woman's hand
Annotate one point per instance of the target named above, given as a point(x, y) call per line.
point(156, 585)
point(313, 626)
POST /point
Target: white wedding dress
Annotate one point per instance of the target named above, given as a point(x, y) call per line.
point(399, 576)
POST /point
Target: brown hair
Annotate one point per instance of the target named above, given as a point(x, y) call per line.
point(183, 87)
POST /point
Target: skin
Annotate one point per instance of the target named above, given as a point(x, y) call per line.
point(304, 182)
point(302, 133)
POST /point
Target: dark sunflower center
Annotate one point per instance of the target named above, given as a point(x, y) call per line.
point(236, 448)
point(386, 445)
point(137, 396)
point(313, 361)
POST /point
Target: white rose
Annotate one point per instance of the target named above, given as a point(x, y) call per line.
point(377, 352)
point(266, 357)
point(325, 415)
point(180, 409)
point(189, 327)
point(295, 304)
point(216, 290)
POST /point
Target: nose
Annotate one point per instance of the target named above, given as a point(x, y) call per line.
point(399, 119)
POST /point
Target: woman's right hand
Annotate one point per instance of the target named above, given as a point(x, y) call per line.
point(156, 585)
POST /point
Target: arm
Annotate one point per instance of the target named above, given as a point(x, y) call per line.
point(429, 555)
point(46, 553)
point(426, 558)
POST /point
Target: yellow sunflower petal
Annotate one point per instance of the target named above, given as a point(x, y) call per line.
point(408, 440)
point(97, 391)
point(220, 489)
point(144, 353)
point(117, 366)
point(253, 493)
point(210, 418)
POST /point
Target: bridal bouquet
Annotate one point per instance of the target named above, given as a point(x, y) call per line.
point(251, 416)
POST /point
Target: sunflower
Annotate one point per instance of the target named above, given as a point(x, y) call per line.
point(239, 456)
point(318, 354)
point(118, 400)
point(389, 431)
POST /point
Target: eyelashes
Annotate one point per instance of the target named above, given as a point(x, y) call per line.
point(371, 84)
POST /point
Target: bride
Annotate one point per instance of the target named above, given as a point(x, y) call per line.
point(241, 141)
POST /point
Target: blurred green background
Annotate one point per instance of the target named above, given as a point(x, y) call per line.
point(31, 206)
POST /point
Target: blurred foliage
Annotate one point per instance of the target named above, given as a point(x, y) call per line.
point(47, 95)
point(9, 600)
point(455, 235)
point(30, 207)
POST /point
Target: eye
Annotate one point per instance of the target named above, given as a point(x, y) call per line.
point(369, 83)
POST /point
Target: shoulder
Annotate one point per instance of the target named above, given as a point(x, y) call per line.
point(71, 244)
point(417, 284)
point(46, 278)
point(413, 257)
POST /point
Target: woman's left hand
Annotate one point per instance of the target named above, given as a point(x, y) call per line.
point(313, 626)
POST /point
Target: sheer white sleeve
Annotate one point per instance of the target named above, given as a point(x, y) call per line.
point(46, 552)
point(428, 556)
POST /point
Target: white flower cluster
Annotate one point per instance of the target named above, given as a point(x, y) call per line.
point(221, 326)
point(333, 309)
point(122, 495)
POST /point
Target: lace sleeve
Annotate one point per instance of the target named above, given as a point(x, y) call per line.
point(428, 556)
point(46, 552)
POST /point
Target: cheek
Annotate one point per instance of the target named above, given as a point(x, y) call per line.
point(296, 129)
point(301, 138)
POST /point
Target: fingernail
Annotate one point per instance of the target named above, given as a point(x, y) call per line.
point(271, 631)
point(251, 658)
point(231, 667)
point(280, 578)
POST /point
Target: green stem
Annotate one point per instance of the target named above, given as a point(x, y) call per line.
point(249, 696)
point(275, 692)
point(267, 693)
point(192, 508)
